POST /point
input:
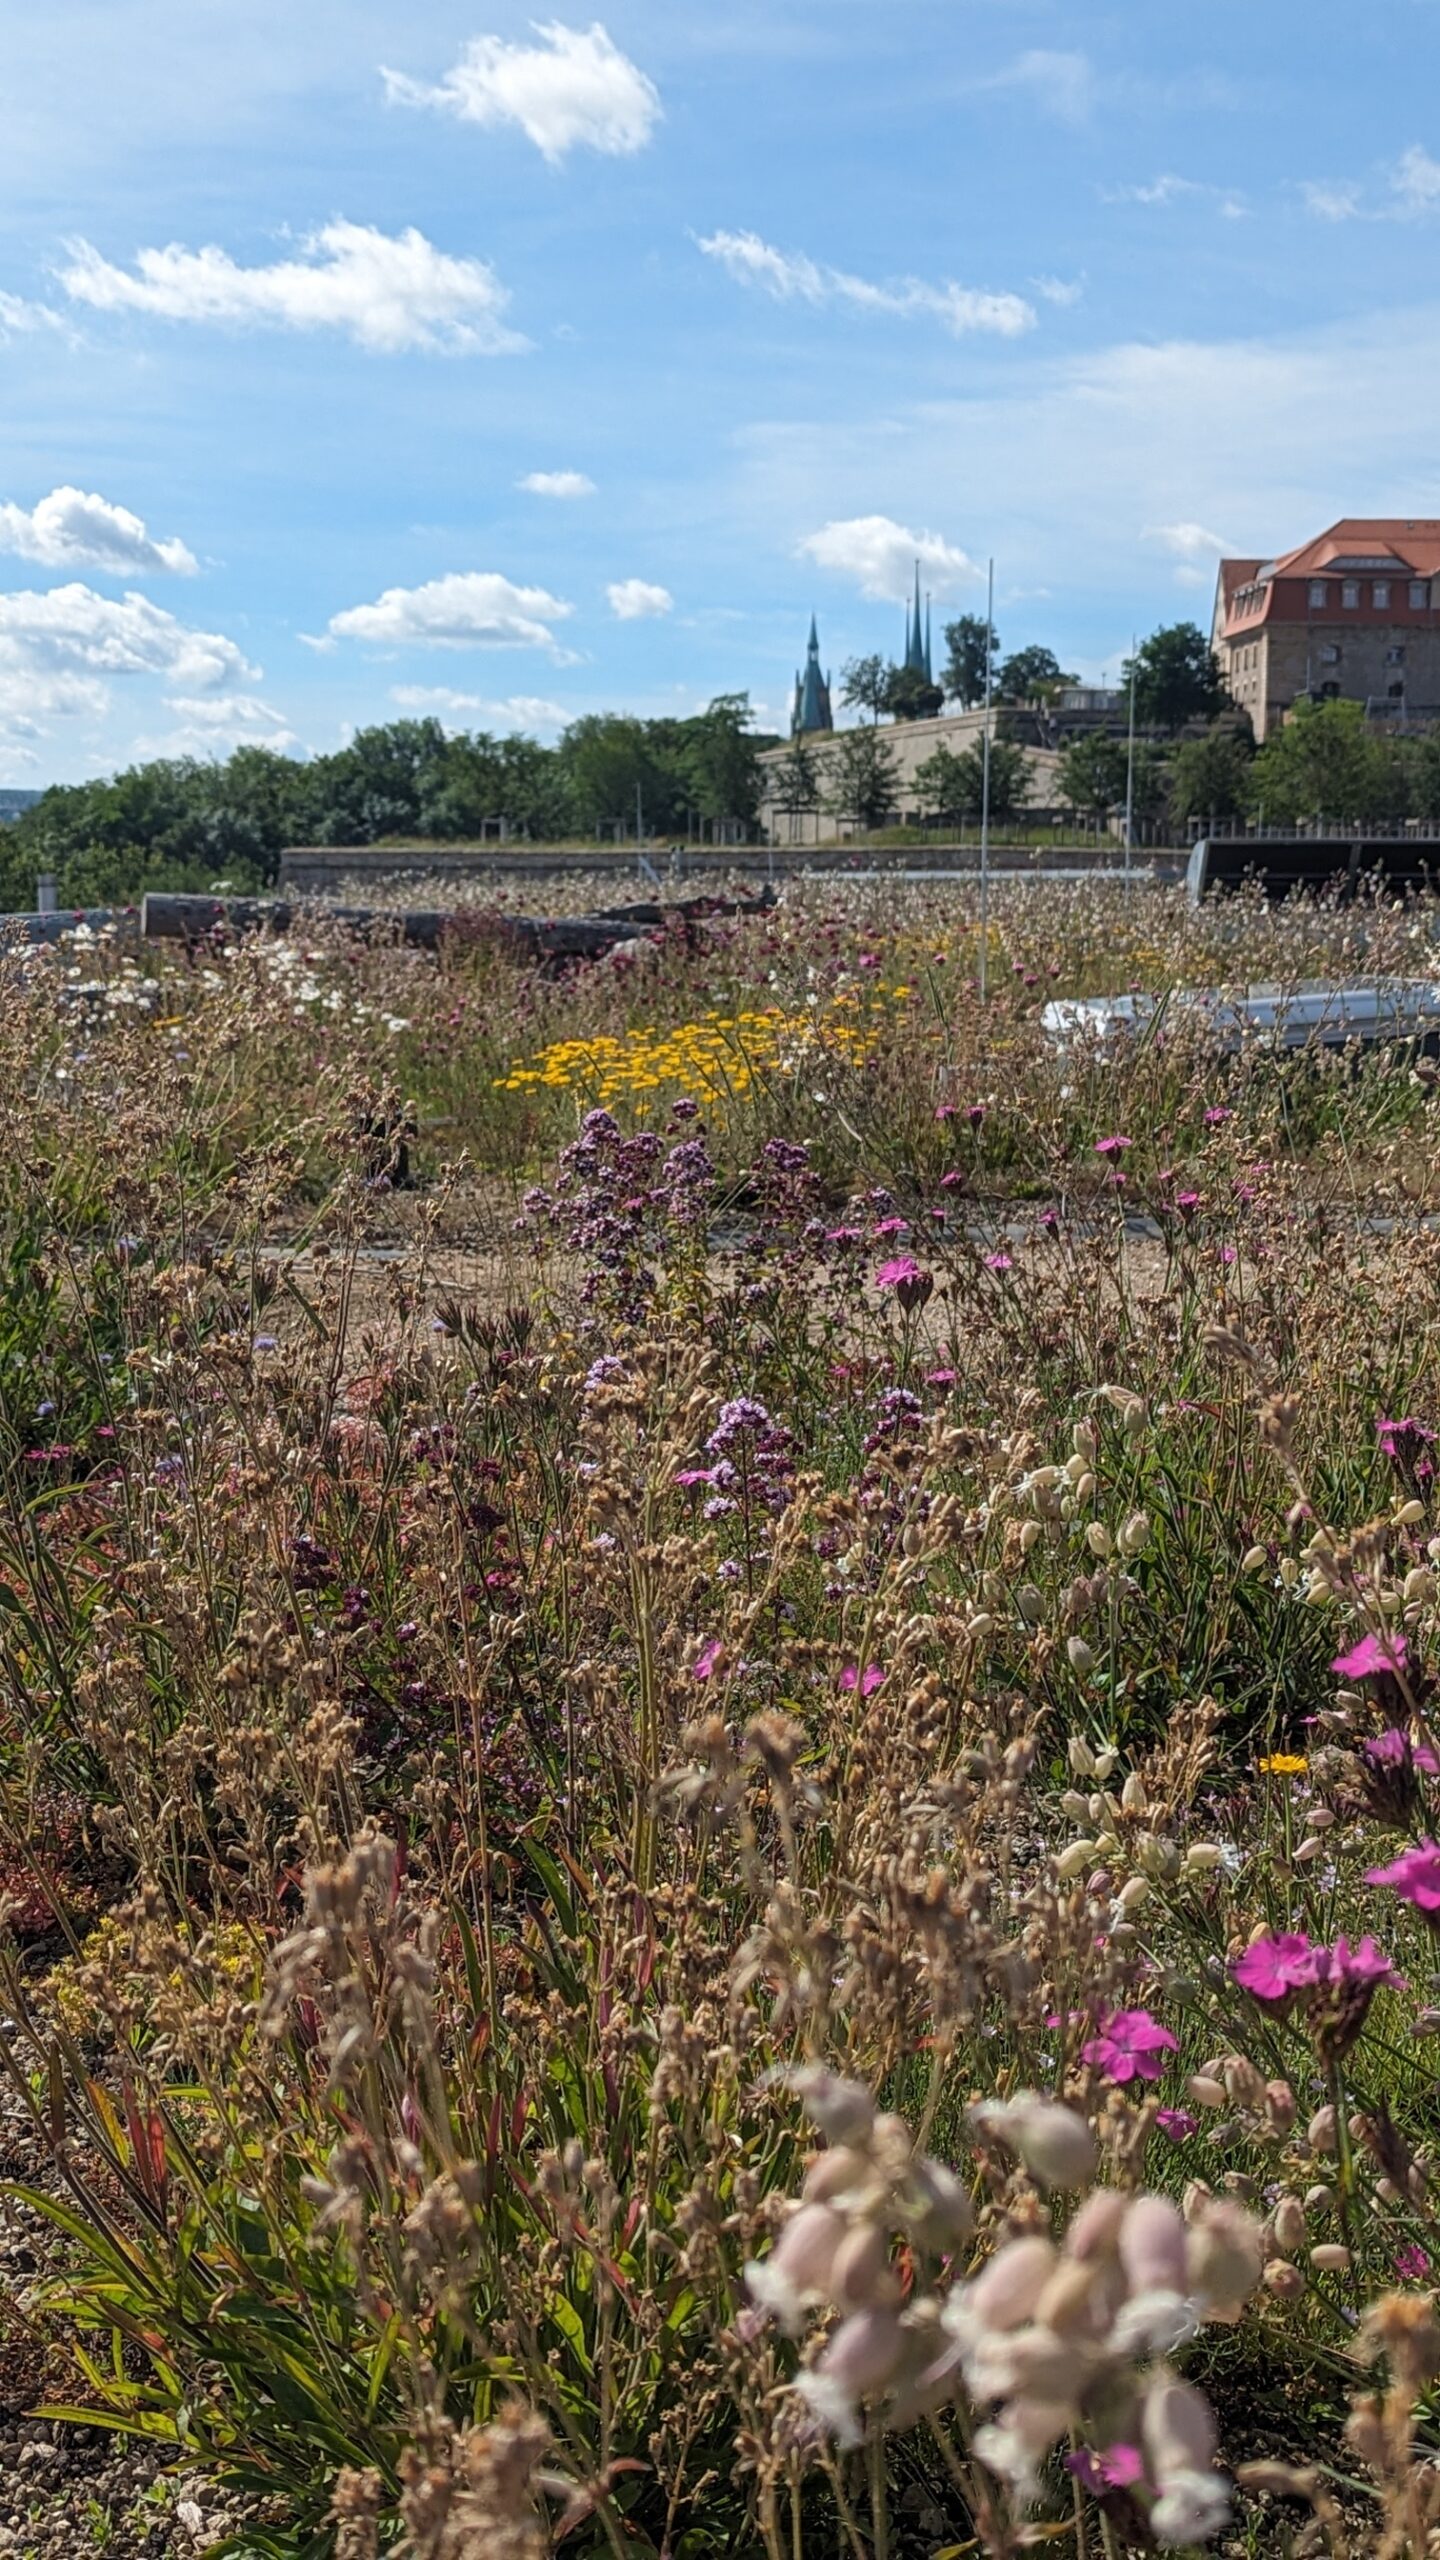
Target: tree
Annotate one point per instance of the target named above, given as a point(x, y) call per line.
point(1326, 763)
point(953, 786)
point(963, 674)
point(864, 683)
point(610, 758)
point(796, 785)
point(1030, 675)
point(720, 762)
point(909, 695)
point(863, 778)
point(1093, 772)
point(1210, 776)
point(1177, 678)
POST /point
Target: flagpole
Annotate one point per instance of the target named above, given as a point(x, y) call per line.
point(985, 793)
point(1130, 769)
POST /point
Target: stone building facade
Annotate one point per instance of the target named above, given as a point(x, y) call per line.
point(1353, 616)
point(909, 743)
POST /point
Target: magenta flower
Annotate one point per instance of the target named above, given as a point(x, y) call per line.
point(1361, 1967)
point(707, 1657)
point(866, 1681)
point(1412, 2264)
point(1120, 2466)
point(1218, 1112)
point(1371, 1658)
point(940, 1377)
point(975, 1114)
point(1414, 1875)
point(1112, 1146)
point(1273, 1967)
point(884, 1228)
point(1176, 2123)
point(999, 1262)
point(1391, 1751)
point(946, 1110)
point(903, 1267)
point(1129, 2046)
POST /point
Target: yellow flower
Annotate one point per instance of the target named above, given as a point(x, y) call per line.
point(1284, 1764)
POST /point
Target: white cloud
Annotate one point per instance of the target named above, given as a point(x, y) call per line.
point(72, 631)
point(1169, 189)
point(1190, 541)
point(1063, 291)
point(531, 712)
point(390, 294)
point(1405, 189)
point(470, 609)
point(557, 484)
point(633, 599)
point(31, 695)
point(19, 318)
point(74, 530)
point(1062, 85)
point(880, 556)
point(574, 87)
point(789, 275)
point(216, 722)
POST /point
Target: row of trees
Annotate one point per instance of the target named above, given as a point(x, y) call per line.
point(1177, 677)
point(1325, 762)
point(184, 822)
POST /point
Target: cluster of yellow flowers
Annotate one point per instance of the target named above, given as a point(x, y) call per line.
point(720, 1058)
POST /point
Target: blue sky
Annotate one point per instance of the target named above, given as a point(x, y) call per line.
point(360, 358)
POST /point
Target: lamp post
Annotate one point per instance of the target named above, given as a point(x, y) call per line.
point(985, 791)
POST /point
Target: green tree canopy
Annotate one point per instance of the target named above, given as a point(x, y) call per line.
point(1177, 678)
point(951, 784)
point(1325, 762)
point(1093, 772)
point(1030, 675)
point(963, 674)
point(909, 695)
point(862, 777)
point(1210, 776)
point(864, 684)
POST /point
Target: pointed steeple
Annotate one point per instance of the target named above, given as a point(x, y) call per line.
point(916, 648)
point(812, 692)
point(929, 661)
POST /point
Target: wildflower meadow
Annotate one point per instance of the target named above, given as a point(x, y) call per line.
point(719, 1783)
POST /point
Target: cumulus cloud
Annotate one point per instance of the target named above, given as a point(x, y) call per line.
point(531, 712)
point(880, 556)
point(72, 631)
point(575, 87)
point(557, 484)
point(215, 724)
point(470, 609)
point(1403, 191)
point(390, 294)
point(633, 599)
point(790, 276)
point(75, 529)
point(31, 695)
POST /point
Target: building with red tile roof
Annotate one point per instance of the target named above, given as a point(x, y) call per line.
point(1352, 616)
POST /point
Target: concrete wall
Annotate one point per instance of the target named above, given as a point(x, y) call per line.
point(910, 742)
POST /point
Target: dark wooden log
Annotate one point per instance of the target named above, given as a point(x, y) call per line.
point(190, 919)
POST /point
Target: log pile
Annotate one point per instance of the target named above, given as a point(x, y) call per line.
point(550, 939)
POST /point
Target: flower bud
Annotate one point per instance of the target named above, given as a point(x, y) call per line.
point(861, 2276)
point(1177, 2427)
point(1224, 2254)
point(1280, 2104)
point(1099, 1540)
point(1080, 1756)
point(1332, 2258)
point(1284, 2281)
point(1055, 2144)
point(1410, 1514)
point(1203, 2091)
point(1004, 2294)
point(1321, 2132)
point(1030, 1603)
point(1133, 1798)
point(1203, 1857)
point(1133, 1894)
point(1031, 1534)
point(1254, 1560)
point(1288, 2224)
point(1086, 1487)
point(1082, 1658)
point(1152, 2245)
point(1135, 1534)
point(1105, 1761)
point(837, 2173)
point(1073, 1861)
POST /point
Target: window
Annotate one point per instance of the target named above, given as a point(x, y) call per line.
point(1380, 593)
point(1419, 593)
point(1395, 657)
point(1330, 656)
point(1350, 594)
point(1317, 593)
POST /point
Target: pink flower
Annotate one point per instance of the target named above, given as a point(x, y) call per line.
point(1218, 1112)
point(1391, 1750)
point(1273, 1967)
point(884, 1228)
point(1370, 1658)
point(1412, 2264)
point(707, 1657)
point(1118, 2467)
point(1129, 2047)
point(946, 1110)
point(1177, 2123)
point(1112, 1146)
point(940, 1377)
point(866, 1681)
point(903, 1267)
point(1414, 1875)
point(1362, 1966)
point(999, 1262)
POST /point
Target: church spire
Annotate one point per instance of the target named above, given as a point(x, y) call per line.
point(917, 646)
point(812, 692)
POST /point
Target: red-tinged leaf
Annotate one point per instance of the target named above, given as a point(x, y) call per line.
point(493, 2128)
